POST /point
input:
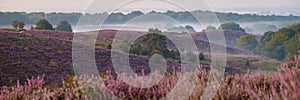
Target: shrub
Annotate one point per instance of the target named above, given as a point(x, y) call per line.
point(284, 85)
point(247, 63)
point(109, 46)
point(15, 24)
point(201, 56)
point(64, 26)
point(145, 52)
point(43, 24)
point(21, 25)
point(18, 25)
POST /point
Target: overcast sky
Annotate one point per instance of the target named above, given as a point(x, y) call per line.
point(80, 5)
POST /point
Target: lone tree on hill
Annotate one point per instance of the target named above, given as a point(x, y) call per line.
point(64, 26)
point(18, 25)
point(232, 27)
point(43, 24)
point(21, 25)
point(15, 24)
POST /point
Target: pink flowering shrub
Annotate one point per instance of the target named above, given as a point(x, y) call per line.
point(33, 90)
point(284, 85)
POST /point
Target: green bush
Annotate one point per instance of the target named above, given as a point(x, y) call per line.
point(43, 24)
point(145, 52)
point(64, 26)
point(109, 46)
point(247, 63)
point(282, 44)
point(201, 56)
point(18, 25)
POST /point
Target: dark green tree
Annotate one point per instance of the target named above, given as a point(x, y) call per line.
point(292, 47)
point(145, 52)
point(287, 33)
point(201, 56)
point(18, 25)
point(109, 46)
point(295, 27)
point(153, 41)
point(232, 27)
point(43, 24)
point(64, 26)
point(281, 45)
point(172, 54)
point(266, 37)
point(247, 63)
point(247, 42)
point(154, 30)
point(21, 25)
point(15, 24)
point(261, 48)
point(135, 49)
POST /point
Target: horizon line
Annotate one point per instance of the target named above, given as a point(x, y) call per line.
point(162, 11)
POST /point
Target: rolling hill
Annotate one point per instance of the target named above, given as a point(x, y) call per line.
point(37, 52)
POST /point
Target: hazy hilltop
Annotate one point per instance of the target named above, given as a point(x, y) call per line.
point(119, 18)
point(252, 23)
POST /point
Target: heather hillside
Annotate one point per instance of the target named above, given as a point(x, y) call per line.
point(39, 52)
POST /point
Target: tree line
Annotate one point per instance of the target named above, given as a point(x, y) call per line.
point(43, 24)
point(118, 18)
point(155, 43)
point(281, 45)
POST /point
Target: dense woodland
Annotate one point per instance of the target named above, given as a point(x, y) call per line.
point(116, 18)
point(281, 45)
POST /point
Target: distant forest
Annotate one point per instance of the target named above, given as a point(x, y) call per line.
point(6, 18)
